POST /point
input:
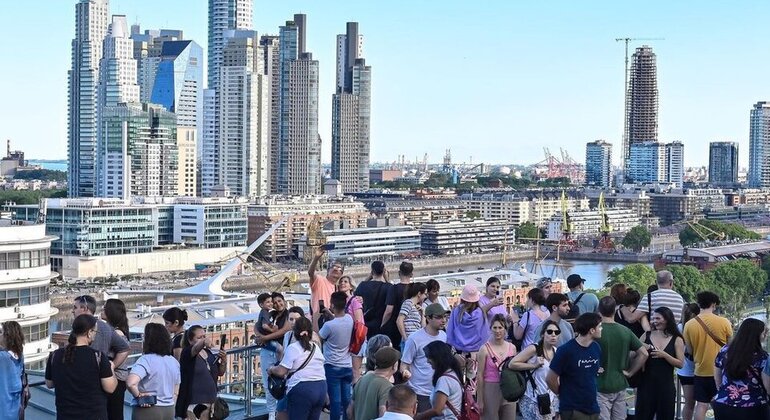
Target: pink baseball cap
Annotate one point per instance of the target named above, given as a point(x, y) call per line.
point(470, 293)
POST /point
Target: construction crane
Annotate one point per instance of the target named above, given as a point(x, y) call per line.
point(626, 40)
point(566, 226)
point(605, 241)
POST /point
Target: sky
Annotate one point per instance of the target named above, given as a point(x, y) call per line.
point(494, 81)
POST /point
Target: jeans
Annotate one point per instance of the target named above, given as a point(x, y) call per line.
point(338, 380)
point(306, 399)
point(267, 359)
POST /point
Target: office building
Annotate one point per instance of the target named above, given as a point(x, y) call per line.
point(139, 154)
point(25, 286)
point(244, 117)
point(367, 244)
point(599, 163)
point(100, 236)
point(148, 48)
point(585, 224)
point(759, 146)
point(675, 163)
point(723, 163)
point(536, 206)
point(465, 236)
point(301, 211)
point(351, 111)
point(641, 100)
point(415, 212)
point(91, 20)
point(208, 168)
point(299, 145)
point(223, 16)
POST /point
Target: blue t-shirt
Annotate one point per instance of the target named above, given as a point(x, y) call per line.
point(10, 385)
point(577, 367)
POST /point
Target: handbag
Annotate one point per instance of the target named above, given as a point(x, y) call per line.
point(220, 410)
point(358, 333)
point(469, 410)
point(277, 386)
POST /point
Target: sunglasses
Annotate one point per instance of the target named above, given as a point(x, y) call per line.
point(553, 332)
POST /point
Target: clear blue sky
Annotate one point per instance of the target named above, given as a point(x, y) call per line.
point(495, 80)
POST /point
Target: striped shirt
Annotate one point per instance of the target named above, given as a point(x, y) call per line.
point(412, 317)
point(663, 298)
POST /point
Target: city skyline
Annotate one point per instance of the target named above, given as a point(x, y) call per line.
point(491, 113)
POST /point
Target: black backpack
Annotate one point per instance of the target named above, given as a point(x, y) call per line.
point(574, 310)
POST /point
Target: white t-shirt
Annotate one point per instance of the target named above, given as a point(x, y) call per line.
point(414, 354)
point(336, 335)
point(295, 356)
point(450, 387)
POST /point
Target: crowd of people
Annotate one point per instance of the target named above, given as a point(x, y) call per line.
point(578, 355)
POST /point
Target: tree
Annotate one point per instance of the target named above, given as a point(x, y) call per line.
point(739, 283)
point(41, 174)
point(688, 281)
point(526, 230)
point(637, 238)
point(637, 276)
point(29, 196)
point(473, 214)
point(438, 180)
point(688, 236)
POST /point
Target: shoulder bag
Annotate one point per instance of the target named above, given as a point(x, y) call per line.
point(708, 331)
point(277, 386)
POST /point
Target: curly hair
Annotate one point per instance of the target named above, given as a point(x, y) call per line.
point(14, 337)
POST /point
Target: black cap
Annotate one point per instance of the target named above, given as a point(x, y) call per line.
point(574, 280)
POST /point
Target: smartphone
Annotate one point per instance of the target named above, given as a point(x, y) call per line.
point(327, 247)
point(222, 340)
point(321, 304)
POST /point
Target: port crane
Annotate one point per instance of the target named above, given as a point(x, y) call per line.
point(605, 242)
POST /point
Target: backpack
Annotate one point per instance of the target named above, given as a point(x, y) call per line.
point(358, 334)
point(574, 310)
point(469, 409)
point(513, 383)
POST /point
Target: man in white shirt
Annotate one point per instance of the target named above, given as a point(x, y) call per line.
point(664, 296)
point(402, 404)
point(414, 364)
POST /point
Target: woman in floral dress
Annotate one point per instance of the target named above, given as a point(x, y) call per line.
point(738, 368)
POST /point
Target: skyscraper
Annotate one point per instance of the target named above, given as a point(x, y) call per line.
point(299, 145)
point(599, 163)
point(272, 69)
point(224, 15)
point(351, 111)
point(148, 47)
point(675, 163)
point(140, 155)
point(723, 163)
point(759, 146)
point(117, 84)
point(244, 132)
point(641, 100)
point(91, 20)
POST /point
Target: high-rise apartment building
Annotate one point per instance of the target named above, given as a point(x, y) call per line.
point(723, 163)
point(91, 20)
point(272, 69)
point(641, 100)
point(599, 163)
point(759, 146)
point(652, 161)
point(299, 145)
point(208, 169)
point(244, 117)
point(139, 154)
point(351, 112)
point(224, 15)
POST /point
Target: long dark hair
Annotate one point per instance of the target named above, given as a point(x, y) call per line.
point(115, 311)
point(668, 315)
point(303, 332)
point(745, 346)
point(443, 360)
point(82, 324)
point(541, 341)
point(689, 311)
point(14, 337)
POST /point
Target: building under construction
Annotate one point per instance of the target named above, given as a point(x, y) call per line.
point(641, 100)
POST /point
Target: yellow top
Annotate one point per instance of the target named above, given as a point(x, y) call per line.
point(704, 348)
